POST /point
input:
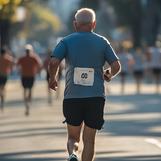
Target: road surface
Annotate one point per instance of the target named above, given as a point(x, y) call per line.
point(132, 129)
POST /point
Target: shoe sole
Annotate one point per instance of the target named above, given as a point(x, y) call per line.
point(73, 159)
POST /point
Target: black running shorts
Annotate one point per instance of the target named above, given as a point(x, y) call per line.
point(156, 71)
point(27, 82)
point(88, 110)
point(138, 73)
point(47, 76)
point(3, 80)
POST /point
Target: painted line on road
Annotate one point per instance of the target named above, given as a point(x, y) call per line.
point(154, 142)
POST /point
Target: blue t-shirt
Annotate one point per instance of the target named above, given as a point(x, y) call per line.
point(85, 54)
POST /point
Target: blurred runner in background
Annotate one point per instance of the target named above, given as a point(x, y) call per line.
point(126, 61)
point(138, 67)
point(6, 64)
point(155, 64)
point(29, 65)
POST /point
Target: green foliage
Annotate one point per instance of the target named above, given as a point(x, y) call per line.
point(94, 4)
point(142, 19)
point(128, 11)
point(42, 23)
point(129, 14)
point(39, 19)
point(45, 16)
point(8, 7)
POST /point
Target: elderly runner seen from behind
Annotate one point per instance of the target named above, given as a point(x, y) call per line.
point(85, 54)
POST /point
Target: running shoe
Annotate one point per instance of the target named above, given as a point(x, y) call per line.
point(73, 157)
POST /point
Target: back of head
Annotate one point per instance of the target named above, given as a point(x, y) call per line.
point(85, 16)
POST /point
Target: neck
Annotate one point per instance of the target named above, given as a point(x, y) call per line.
point(84, 29)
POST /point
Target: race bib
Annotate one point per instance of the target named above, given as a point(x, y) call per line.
point(84, 76)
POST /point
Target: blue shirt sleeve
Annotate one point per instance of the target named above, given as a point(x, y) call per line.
point(110, 54)
point(60, 51)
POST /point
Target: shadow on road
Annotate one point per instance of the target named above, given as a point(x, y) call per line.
point(132, 158)
point(142, 105)
point(31, 132)
point(137, 121)
point(20, 102)
point(29, 156)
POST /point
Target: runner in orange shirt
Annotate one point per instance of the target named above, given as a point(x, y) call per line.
point(6, 63)
point(30, 65)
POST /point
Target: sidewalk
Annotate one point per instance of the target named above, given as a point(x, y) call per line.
point(131, 131)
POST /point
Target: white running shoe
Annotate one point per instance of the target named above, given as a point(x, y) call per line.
point(73, 157)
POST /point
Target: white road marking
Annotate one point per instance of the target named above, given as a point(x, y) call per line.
point(154, 142)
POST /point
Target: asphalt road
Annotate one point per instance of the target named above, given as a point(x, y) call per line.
point(132, 129)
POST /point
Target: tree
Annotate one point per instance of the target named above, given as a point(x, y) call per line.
point(151, 21)
point(42, 23)
point(39, 18)
point(7, 9)
point(129, 14)
point(143, 19)
point(94, 4)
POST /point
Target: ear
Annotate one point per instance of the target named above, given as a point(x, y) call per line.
point(94, 25)
point(75, 25)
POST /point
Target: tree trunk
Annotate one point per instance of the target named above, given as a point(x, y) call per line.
point(4, 30)
point(151, 22)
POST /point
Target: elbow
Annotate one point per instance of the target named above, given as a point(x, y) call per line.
point(119, 67)
point(115, 68)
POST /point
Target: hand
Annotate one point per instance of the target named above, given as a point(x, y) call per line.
point(107, 75)
point(53, 84)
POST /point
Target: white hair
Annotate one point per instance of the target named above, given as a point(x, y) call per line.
point(85, 15)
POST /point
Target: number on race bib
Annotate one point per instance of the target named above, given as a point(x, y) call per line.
point(84, 76)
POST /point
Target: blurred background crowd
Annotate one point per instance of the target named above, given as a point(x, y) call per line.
point(132, 27)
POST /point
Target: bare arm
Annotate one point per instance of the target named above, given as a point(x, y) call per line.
point(111, 72)
point(53, 69)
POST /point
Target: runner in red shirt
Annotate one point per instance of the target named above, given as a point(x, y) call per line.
point(30, 65)
point(6, 63)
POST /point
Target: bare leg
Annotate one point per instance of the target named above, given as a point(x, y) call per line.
point(30, 95)
point(157, 81)
point(29, 99)
point(2, 97)
point(58, 90)
point(2, 102)
point(73, 138)
point(49, 96)
point(89, 143)
point(138, 82)
point(2, 91)
point(26, 100)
